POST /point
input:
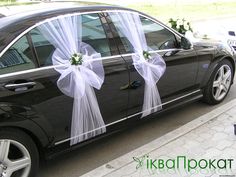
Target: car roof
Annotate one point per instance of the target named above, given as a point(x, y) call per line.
point(13, 25)
point(17, 13)
point(9, 10)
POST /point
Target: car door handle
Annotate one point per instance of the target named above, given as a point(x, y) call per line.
point(132, 85)
point(20, 86)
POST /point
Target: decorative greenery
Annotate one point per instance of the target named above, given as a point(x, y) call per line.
point(76, 59)
point(180, 25)
point(146, 55)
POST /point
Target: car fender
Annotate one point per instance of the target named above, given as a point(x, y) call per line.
point(214, 63)
point(10, 119)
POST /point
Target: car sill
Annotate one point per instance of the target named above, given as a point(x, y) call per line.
point(128, 117)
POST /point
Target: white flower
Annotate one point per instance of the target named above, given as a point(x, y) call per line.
point(186, 27)
point(77, 58)
point(179, 22)
point(185, 23)
point(177, 26)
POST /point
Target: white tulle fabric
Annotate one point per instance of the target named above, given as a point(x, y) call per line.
point(129, 24)
point(78, 81)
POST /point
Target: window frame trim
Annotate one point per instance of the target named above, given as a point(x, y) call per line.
point(81, 13)
point(102, 58)
point(97, 59)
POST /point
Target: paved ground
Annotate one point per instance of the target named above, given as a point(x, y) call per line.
point(209, 138)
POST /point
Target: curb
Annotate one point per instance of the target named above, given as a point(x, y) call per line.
point(127, 159)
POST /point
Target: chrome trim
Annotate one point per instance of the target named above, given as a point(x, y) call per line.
point(77, 13)
point(125, 118)
point(39, 23)
point(55, 66)
point(26, 84)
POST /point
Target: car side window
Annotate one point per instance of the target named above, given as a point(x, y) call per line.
point(43, 48)
point(18, 57)
point(157, 37)
point(123, 44)
point(92, 34)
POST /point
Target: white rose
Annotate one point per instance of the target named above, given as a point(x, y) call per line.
point(185, 23)
point(186, 27)
point(77, 58)
point(179, 22)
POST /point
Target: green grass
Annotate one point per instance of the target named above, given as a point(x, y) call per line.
point(190, 12)
point(13, 3)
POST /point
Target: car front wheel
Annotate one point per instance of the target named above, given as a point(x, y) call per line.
point(18, 154)
point(219, 83)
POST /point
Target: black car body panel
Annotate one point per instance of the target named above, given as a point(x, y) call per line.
point(209, 55)
point(41, 110)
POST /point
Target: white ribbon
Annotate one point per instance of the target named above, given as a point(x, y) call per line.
point(77, 81)
point(152, 69)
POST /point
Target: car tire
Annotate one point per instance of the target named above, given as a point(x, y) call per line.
point(219, 83)
point(18, 154)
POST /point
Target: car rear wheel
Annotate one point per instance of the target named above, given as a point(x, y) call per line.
point(219, 83)
point(18, 154)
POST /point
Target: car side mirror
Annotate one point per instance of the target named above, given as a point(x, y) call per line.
point(185, 43)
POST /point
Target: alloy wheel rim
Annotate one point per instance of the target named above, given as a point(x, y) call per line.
point(9, 166)
point(221, 82)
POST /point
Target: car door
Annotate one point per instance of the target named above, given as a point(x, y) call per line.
point(52, 108)
point(181, 71)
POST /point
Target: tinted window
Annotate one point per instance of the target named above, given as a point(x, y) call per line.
point(44, 49)
point(157, 37)
point(17, 58)
point(92, 34)
point(121, 41)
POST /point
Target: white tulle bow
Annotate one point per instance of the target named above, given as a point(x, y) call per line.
point(150, 66)
point(76, 81)
point(151, 70)
point(74, 77)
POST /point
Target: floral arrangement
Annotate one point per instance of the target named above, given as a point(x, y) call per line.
point(76, 59)
point(146, 55)
point(180, 25)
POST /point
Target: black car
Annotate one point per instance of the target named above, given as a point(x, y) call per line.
point(35, 116)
